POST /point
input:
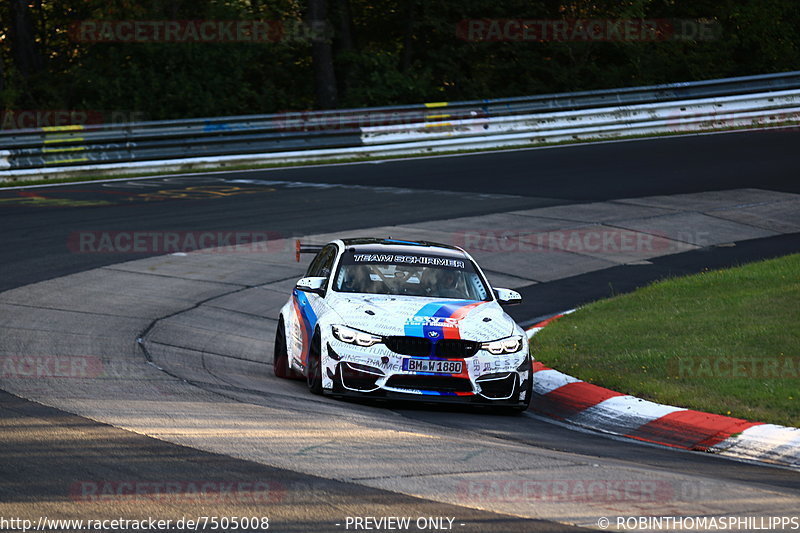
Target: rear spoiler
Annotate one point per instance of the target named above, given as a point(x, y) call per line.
point(301, 248)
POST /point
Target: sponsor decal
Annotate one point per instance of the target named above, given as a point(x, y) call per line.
point(439, 317)
point(423, 260)
point(440, 393)
point(440, 321)
point(307, 319)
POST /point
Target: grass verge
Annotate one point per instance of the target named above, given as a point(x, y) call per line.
point(724, 341)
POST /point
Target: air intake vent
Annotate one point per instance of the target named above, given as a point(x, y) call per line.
point(420, 347)
point(430, 383)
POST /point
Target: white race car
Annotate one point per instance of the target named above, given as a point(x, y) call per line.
point(394, 319)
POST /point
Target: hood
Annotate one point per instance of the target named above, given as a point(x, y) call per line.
point(423, 317)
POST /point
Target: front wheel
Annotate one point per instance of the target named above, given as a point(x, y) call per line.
point(314, 366)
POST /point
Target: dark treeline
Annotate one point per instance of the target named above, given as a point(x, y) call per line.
point(353, 53)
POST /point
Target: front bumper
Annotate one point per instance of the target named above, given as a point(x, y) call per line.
point(377, 372)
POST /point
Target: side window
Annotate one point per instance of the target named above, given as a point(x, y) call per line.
point(323, 263)
point(327, 263)
point(316, 264)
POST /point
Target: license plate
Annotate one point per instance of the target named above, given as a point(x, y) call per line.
point(439, 367)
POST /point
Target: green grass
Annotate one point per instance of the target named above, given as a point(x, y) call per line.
point(725, 342)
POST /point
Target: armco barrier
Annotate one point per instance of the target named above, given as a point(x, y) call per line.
point(417, 129)
point(648, 118)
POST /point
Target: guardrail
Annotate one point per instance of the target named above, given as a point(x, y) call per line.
point(443, 126)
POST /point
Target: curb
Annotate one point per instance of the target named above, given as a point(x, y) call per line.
point(568, 399)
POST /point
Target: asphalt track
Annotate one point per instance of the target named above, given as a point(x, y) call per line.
point(38, 223)
point(50, 455)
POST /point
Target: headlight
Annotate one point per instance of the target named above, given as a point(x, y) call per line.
point(353, 336)
point(507, 345)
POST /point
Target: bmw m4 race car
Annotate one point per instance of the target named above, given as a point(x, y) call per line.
point(394, 319)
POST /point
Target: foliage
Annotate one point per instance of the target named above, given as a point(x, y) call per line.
point(394, 52)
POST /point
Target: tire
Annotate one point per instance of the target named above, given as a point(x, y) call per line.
point(314, 366)
point(529, 391)
point(280, 361)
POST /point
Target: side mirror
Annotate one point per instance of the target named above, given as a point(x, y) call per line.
point(312, 284)
point(508, 297)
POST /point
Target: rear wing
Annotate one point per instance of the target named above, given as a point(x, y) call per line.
point(301, 248)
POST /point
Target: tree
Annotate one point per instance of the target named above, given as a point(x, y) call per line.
point(23, 39)
point(322, 55)
point(344, 45)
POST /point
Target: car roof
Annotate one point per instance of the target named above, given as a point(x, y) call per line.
point(402, 246)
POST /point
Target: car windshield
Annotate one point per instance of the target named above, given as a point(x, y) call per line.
point(410, 275)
